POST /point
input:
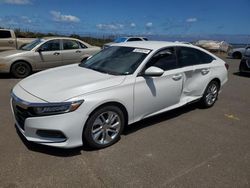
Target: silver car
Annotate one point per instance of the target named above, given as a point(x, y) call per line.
point(125, 39)
point(45, 53)
point(236, 53)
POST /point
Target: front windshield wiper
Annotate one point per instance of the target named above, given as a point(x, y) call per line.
point(103, 71)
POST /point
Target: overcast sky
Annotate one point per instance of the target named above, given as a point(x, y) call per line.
point(158, 17)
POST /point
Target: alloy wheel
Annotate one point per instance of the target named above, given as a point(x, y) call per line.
point(106, 127)
point(211, 94)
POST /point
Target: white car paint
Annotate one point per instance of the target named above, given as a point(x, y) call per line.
point(141, 96)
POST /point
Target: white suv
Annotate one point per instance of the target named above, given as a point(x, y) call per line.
point(93, 101)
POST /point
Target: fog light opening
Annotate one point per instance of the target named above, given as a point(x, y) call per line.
point(51, 134)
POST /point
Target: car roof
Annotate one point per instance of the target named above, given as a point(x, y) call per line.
point(70, 38)
point(131, 37)
point(152, 45)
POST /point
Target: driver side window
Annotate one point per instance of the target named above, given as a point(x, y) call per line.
point(52, 45)
point(164, 59)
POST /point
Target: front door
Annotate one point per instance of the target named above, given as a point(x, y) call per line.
point(152, 94)
point(49, 55)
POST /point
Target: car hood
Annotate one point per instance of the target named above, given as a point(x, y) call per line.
point(11, 53)
point(63, 83)
point(109, 44)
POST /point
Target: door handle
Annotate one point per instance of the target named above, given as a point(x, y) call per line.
point(56, 53)
point(78, 51)
point(10, 42)
point(204, 71)
point(177, 77)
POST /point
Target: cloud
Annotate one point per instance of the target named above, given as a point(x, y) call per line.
point(149, 25)
point(13, 21)
point(17, 2)
point(133, 25)
point(112, 27)
point(58, 17)
point(191, 20)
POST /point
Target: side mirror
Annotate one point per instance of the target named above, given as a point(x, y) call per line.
point(39, 50)
point(153, 72)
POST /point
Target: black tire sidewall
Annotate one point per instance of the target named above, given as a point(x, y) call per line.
point(88, 126)
point(16, 74)
point(204, 101)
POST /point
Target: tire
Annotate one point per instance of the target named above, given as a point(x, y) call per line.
point(237, 55)
point(210, 95)
point(20, 69)
point(104, 127)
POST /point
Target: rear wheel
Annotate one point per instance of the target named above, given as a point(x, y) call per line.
point(20, 69)
point(210, 95)
point(237, 55)
point(104, 127)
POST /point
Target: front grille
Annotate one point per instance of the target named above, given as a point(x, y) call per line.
point(21, 114)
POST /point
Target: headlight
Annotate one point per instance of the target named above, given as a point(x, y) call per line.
point(56, 108)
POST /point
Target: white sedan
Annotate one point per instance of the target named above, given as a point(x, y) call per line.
point(93, 101)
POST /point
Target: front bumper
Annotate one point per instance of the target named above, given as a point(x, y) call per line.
point(69, 125)
point(230, 54)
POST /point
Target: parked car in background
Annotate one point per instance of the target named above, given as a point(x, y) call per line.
point(125, 83)
point(236, 53)
point(9, 41)
point(125, 39)
point(214, 46)
point(45, 53)
point(245, 62)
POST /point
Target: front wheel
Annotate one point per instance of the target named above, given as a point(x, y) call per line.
point(20, 69)
point(210, 95)
point(104, 127)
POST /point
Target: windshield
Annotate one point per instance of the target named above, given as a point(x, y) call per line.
point(33, 44)
point(121, 39)
point(117, 60)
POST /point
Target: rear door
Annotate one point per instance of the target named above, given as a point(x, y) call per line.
point(72, 52)
point(7, 41)
point(196, 68)
point(48, 55)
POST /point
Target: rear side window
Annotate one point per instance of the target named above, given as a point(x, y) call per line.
point(5, 34)
point(191, 56)
point(205, 58)
point(70, 45)
point(164, 59)
point(134, 39)
point(82, 45)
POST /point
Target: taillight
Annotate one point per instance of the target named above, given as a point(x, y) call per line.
point(227, 66)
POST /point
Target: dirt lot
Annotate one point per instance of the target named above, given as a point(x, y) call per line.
point(187, 147)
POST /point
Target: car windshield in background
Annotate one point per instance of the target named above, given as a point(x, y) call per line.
point(118, 40)
point(117, 60)
point(32, 45)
